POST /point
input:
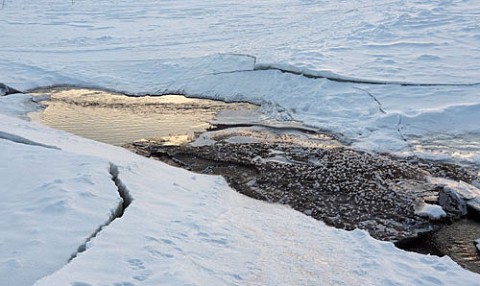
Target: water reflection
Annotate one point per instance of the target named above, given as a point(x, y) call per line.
point(118, 119)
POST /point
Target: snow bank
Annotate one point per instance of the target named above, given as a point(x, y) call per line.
point(51, 202)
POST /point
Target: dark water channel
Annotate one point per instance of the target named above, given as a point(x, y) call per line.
point(175, 120)
point(455, 240)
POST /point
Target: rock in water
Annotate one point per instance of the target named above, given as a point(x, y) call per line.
point(6, 90)
point(468, 192)
point(451, 202)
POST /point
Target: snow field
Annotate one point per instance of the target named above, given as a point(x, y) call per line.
point(414, 41)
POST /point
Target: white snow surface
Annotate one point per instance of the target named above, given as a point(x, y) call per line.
point(181, 228)
point(430, 211)
point(52, 201)
point(227, 49)
point(187, 229)
point(414, 41)
point(464, 190)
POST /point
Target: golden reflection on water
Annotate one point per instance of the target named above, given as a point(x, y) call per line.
point(118, 119)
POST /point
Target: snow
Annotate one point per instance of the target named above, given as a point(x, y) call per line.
point(231, 51)
point(430, 211)
point(52, 201)
point(183, 228)
point(468, 192)
point(465, 190)
point(418, 41)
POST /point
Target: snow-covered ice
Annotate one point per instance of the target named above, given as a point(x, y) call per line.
point(183, 228)
point(468, 192)
point(231, 51)
point(52, 201)
point(413, 41)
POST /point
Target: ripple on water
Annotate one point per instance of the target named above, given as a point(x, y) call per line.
point(456, 240)
point(118, 119)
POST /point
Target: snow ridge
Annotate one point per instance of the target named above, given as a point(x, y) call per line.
point(22, 140)
point(339, 78)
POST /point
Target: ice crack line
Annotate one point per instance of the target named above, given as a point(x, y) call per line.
point(380, 106)
point(359, 81)
point(21, 140)
point(126, 200)
point(6, 90)
point(263, 67)
point(404, 138)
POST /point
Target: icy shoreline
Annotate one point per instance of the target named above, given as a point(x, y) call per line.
point(157, 239)
point(173, 212)
point(181, 227)
point(378, 118)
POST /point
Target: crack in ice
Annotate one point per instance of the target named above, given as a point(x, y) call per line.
point(403, 137)
point(22, 140)
point(338, 78)
point(380, 106)
point(6, 90)
point(126, 200)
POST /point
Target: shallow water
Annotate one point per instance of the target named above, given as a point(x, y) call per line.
point(455, 240)
point(118, 119)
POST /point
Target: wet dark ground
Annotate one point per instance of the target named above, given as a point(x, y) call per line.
point(344, 188)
